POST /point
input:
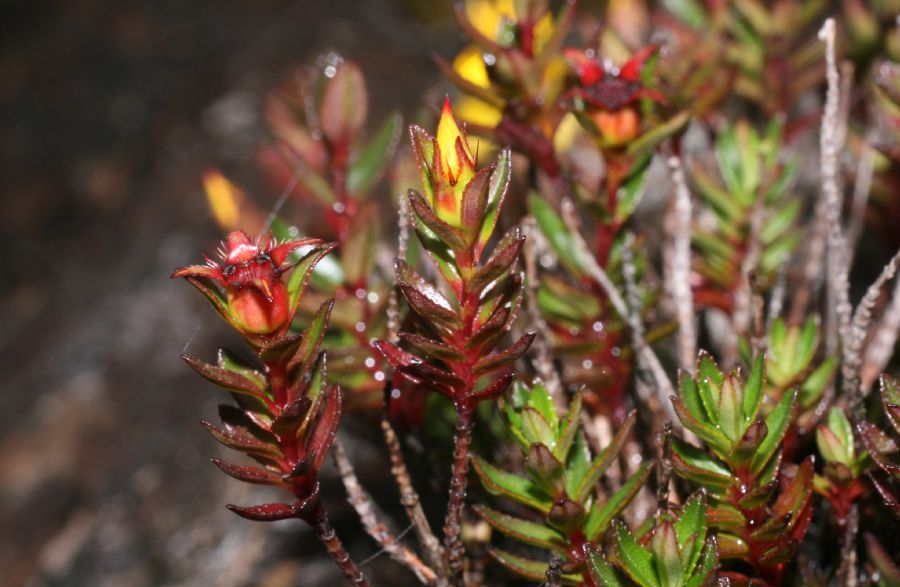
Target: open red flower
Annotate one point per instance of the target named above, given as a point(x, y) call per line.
point(608, 94)
point(256, 297)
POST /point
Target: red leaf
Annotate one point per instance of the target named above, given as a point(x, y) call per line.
point(280, 253)
point(497, 360)
point(291, 417)
point(488, 332)
point(326, 427)
point(430, 347)
point(450, 236)
point(269, 512)
point(240, 439)
point(225, 378)
point(501, 261)
point(474, 199)
point(495, 389)
point(249, 474)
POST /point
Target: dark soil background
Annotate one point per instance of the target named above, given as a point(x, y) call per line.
point(109, 111)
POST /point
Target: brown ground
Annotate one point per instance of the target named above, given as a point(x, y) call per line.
point(108, 113)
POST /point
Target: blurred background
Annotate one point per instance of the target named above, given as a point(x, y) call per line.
point(109, 112)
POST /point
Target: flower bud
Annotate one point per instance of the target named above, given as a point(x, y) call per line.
point(255, 300)
point(447, 166)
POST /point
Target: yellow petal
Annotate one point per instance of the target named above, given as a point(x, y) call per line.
point(447, 134)
point(543, 32)
point(487, 15)
point(476, 111)
point(224, 199)
point(566, 133)
point(470, 65)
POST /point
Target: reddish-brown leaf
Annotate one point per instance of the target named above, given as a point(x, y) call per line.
point(249, 474)
point(503, 358)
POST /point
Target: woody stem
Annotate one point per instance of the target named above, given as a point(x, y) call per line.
point(318, 519)
point(453, 523)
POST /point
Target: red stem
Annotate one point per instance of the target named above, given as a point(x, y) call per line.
point(456, 501)
point(318, 519)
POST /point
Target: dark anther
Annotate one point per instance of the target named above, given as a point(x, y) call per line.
point(263, 258)
point(229, 270)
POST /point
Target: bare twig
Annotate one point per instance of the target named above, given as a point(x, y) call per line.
point(361, 501)
point(859, 329)
point(664, 388)
point(678, 265)
point(663, 469)
point(742, 313)
point(409, 499)
point(829, 144)
point(881, 346)
point(632, 296)
point(554, 571)
point(543, 361)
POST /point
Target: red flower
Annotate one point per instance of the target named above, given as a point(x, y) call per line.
point(608, 93)
point(251, 276)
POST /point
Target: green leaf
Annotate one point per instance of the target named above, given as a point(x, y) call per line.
point(637, 561)
point(729, 409)
point(536, 429)
point(690, 527)
point(706, 432)
point(541, 401)
point(690, 395)
point(522, 530)
point(815, 383)
point(632, 189)
point(692, 521)
point(545, 470)
point(776, 423)
point(561, 240)
point(599, 517)
point(696, 466)
point(605, 459)
point(578, 463)
point(301, 272)
point(666, 555)
point(602, 572)
point(308, 349)
point(648, 141)
point(500, 482)
point(690, 12)
point(530, 569)
point(568, 428)
point(753, 389)
point(369, 164)
point(709, 562)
